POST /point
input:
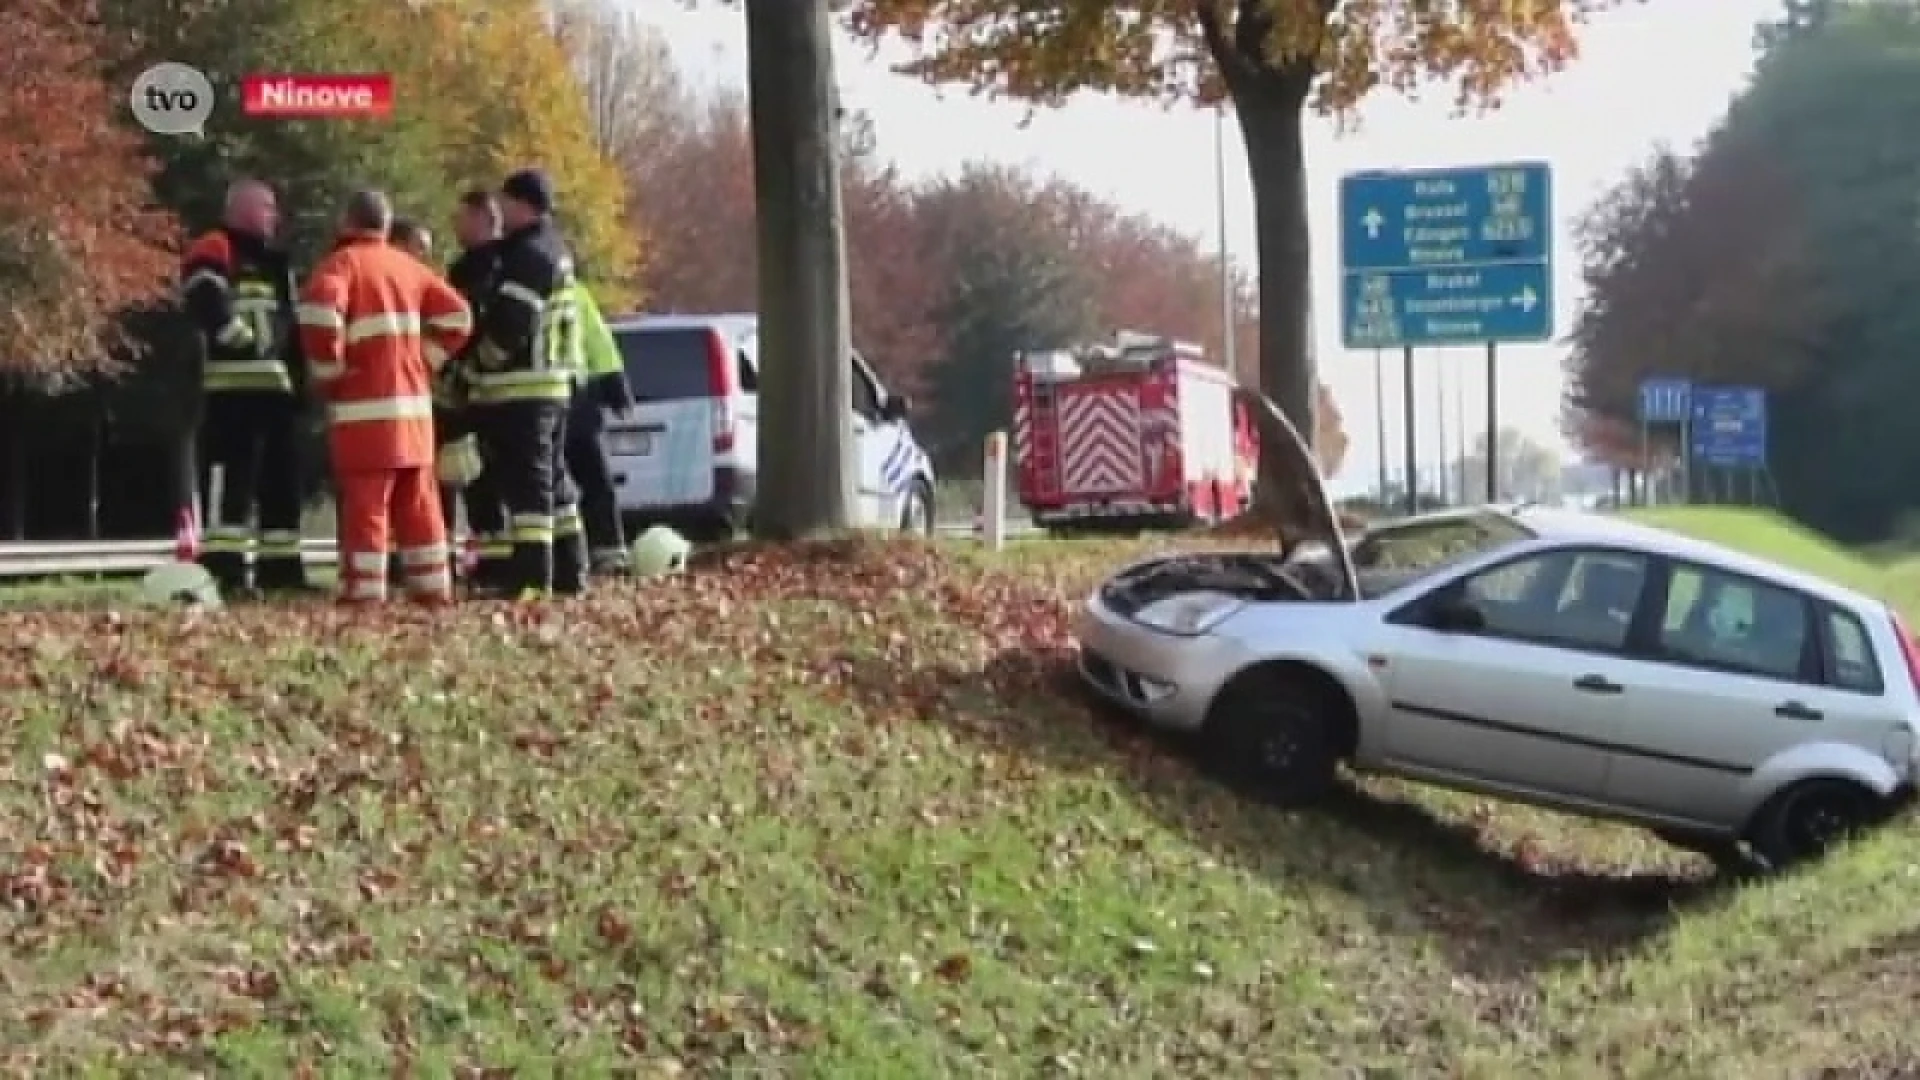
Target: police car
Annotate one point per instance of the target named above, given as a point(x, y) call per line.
point(688, 456)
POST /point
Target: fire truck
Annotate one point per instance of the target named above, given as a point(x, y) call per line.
point(1138, 432)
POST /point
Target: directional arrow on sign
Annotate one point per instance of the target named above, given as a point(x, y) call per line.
point(1528, 300)
point(1373, 221)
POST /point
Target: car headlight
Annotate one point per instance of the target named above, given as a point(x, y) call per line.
point(1189, 614)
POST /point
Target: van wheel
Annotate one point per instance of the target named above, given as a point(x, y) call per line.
point(1276, 735)
point(916, 513)
point(1809, 819)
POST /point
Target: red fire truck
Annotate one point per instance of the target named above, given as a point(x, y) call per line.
point(1138, 432)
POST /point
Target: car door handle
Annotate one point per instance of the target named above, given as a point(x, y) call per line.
point(1793, 710)
point(1597, 684)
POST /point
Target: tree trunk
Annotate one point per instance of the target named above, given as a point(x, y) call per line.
point(1270, 108)
point(806, 452)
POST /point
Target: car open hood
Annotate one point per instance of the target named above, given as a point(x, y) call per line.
point(1303, 511)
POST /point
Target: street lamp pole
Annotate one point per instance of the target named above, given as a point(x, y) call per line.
point(1229, 346)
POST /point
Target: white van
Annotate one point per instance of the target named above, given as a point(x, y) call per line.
point(688, 455)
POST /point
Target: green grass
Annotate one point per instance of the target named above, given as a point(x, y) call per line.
point(829, 815)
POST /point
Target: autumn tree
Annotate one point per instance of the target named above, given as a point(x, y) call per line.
point(1782, 255)
point(1002, 247)
point(1274, 59)
point(77, 244)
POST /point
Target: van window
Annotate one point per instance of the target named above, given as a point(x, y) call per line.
point(666, 365)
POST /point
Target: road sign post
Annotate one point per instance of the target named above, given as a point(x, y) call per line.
point(1727, 432)
point(1443, 257)
point(1665, 401)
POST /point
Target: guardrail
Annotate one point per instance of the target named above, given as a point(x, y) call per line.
point(131, 558)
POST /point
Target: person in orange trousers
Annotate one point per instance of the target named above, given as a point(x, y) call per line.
point(376, 324)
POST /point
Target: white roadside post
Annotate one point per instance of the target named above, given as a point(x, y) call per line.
point(993, 493)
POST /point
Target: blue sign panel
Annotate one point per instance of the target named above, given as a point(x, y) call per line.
point(1498, 302)
point(1447, 256)
point(1664, 401)
point(1728, 426)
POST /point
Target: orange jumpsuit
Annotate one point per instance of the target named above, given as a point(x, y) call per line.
point(376, 323)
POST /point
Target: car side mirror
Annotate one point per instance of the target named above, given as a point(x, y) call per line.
point(1455, 614)
point(894, 410)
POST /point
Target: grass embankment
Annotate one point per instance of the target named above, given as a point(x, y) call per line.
point(829, 817)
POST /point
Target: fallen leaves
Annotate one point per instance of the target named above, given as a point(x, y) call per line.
point(793, 807)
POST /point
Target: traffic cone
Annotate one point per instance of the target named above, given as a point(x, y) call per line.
point(186, 537)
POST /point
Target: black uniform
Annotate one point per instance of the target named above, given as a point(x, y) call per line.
point(239, 291)
point(526, 354)
point(474, 273)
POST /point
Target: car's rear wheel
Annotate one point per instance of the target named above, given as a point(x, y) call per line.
point(1278, 734)
point(1809, 819)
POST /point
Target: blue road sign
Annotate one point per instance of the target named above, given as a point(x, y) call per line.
point(1664, 401)
point(1447, 256)
point(1728, 426)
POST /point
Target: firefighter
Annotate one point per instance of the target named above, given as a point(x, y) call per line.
point(603, 386)
point(413, 238)
point(378, 324)
point(238, 289)
point(524, 363)
point(476, 227)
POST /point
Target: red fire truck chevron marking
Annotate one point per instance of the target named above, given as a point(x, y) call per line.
point(1100, 442)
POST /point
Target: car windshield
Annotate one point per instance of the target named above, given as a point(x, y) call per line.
point(1397, 555)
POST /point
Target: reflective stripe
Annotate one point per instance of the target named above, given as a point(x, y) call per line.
point(430, 582)
point(236, 332)
point(385, 324)
point(280, 543)
point(513, 290)
point(255, 288)
point(256, 367)
point(532, 529)
point(452, 320)
point(566, 522)
point(394, 408)
point(425, 556)
point(326, 372)
point(272, 381)
point(497, 549)
point(368, 562)
point(503, 386)
point(279, 536)
point(322, 317)
point(204, 277)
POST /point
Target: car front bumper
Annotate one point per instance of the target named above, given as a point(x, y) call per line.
point(1167, 679)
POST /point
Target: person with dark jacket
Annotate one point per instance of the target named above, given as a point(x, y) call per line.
point(603, 388)
point(476, 228)
point(238, 289)
point(524, 362)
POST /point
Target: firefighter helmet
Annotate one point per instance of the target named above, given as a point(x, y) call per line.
point(659, 551)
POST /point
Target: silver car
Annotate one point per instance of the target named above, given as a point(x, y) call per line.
point(1576, 661)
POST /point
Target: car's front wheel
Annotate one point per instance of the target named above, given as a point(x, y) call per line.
point(1277, 734)
point(916, 511)
point(1809, 819)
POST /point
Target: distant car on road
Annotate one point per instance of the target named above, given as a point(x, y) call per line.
point(1581, 662)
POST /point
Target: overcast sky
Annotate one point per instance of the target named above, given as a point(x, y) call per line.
point(1655, 72)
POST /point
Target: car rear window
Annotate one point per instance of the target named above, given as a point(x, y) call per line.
point(1850, 654)
point(666, 365)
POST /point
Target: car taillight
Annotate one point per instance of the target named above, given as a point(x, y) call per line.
point(720, 385)
point(1909, 649)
